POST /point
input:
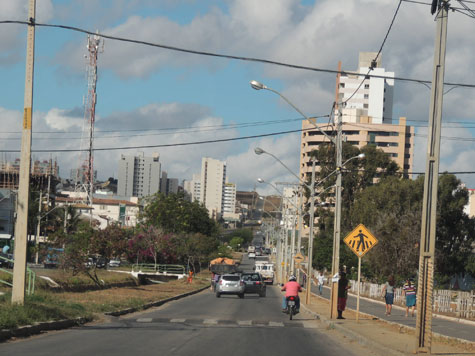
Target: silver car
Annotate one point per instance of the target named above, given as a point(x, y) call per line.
point(230, 284)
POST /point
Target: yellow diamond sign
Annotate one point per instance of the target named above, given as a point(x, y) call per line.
point(360, 240)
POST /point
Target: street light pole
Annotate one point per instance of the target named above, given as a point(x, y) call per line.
point(310, 235)
point(21, 227)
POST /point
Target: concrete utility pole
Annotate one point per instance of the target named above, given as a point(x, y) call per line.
point(38, 228)
point(310, 235)
point(431, 182)
point(337, 220)
point(21, 227)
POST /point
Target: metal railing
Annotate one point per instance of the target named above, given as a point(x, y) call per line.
point(31, 275)
point(159, 268)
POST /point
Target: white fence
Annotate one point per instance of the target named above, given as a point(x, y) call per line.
point(449, 302)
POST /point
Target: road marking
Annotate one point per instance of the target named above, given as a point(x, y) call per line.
point(276, 323)
point(144, 320)
point(244, 322)
point(210, 322)
point(177, 320)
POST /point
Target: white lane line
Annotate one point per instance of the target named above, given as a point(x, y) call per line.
point(177, 320)
point(210, 322)
point(276, 323)
point(244, 322)
point(144, 320)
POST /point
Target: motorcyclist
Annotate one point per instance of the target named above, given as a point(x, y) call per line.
point(292, 289)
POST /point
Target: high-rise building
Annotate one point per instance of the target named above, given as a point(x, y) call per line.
point(213, 178)
point(229, 198)
point(366, 117)
point(371, 96)
point(138, 176)
point(193, 187)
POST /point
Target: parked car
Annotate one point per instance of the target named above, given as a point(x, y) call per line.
point(114, 263)
point(251, 255)
point(230, 284)
point(254, 284)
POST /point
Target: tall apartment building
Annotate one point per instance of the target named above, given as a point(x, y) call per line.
point(373, 98)
point(229, 198)
point(138, 176)
point(367, 118)
point(193, 187)
point(168, 185)
point(213, 179)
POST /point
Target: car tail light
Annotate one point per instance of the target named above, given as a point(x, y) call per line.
point(292, 298)
point(241, 283)
point(221, 282)
point(258, 282)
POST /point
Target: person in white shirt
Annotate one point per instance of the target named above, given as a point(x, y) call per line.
point(321, 280)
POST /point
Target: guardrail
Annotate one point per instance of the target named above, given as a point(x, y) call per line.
point(163, 269)
point(31, 276)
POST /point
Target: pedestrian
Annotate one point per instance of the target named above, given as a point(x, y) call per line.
point(304, 284)
point(410, 292)
point(342, 294)
point(388, 294)
point(321, 280)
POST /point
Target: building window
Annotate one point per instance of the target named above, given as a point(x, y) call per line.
point(365, 106)
point(366, 96)
point(366, 86)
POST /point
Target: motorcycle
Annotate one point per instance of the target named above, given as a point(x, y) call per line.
point(291, 306)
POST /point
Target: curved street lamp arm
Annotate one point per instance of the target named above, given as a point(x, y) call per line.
point(287, 168)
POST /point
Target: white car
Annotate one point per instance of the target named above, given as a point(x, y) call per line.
point(114, 263)
point(251, 255)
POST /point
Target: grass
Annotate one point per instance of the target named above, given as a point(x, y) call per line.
point(46, 305)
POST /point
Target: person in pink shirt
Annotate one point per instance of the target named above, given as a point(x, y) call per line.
point(292, 289)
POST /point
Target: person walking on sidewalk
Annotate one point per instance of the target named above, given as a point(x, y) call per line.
point(410, 292)
point(342, 294)
point(321, 280)
point(388, 294)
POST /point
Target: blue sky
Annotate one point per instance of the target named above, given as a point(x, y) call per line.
point(145, 88)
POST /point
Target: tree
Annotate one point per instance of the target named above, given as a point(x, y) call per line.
point(112, 242)
point(236, 242)
point(174, 214)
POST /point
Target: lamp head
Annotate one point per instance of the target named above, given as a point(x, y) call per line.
point(361, 155)
point(258, 151)
point(256, 85)
point(260, 180)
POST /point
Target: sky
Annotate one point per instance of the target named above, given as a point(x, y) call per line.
point(154, 96)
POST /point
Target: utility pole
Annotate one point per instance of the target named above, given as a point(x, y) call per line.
point(310, 235)
point(21, 227)
point(337, 219)
point(38, 227)
point(431, 182)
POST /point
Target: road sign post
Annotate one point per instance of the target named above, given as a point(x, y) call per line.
point(360, 241)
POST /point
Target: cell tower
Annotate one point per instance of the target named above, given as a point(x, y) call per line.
point(85, 172)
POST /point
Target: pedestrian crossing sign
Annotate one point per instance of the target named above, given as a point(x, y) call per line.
point(360, 240)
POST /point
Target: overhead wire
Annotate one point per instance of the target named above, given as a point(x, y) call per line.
point(219, 55)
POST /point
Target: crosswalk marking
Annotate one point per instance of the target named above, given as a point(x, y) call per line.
point(177, 320)
point(232, 323)
point(144, 320)
point(244, 322)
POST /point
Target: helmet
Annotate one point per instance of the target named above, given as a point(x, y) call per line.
point(292, 278)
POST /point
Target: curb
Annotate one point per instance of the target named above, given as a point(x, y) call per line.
point(29, 330)
point(38, 328)
point(155, 304)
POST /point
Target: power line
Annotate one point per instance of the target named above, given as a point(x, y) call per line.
point(227, 56)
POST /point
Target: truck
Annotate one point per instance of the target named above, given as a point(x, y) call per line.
point(223, 265)
point(266, 269)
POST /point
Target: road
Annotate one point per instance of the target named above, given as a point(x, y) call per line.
point(441, 326)
point(198, 325)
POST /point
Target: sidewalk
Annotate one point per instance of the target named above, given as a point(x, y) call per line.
point(381, 336)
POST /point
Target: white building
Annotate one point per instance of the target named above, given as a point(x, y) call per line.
point(138, 176)
point(193, 187)
point(213, 179)
point(229, 202)
point(374, 98)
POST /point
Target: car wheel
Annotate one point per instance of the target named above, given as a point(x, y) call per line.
point(241, 296)
point(218, 295)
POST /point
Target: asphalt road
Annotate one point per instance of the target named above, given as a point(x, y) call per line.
point(441, 326)
point(198, 325)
